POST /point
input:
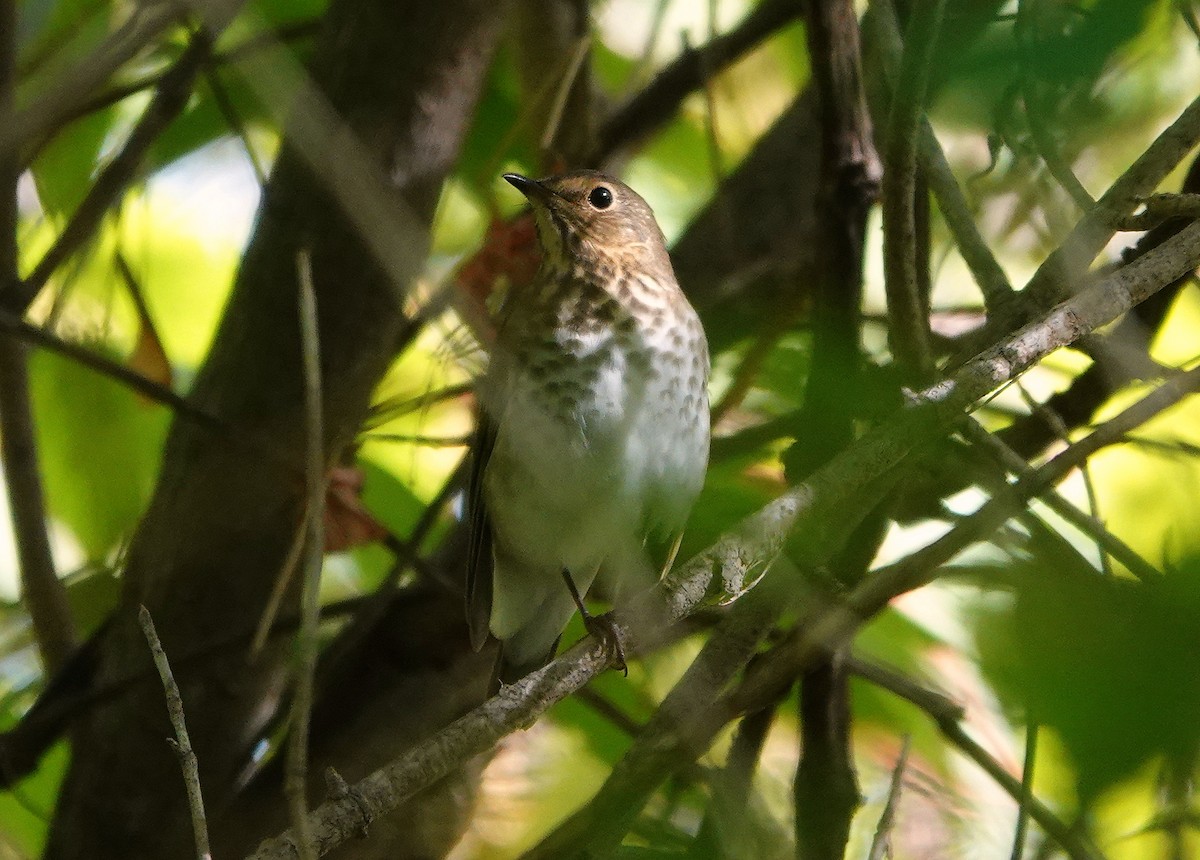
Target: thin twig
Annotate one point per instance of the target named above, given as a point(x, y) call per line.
point(234, 120)
point(909, 316)
point(654, 105)
point(58, 101)
point(42, 591)
point(13, 326)
point(920, 567)
point(1013, 462)
point(1026, 798)
point(1044, 142)
point(279, 589)
point(170, 98)
point(997, 291)
point(182, 744)
point(296, 779)
point(880, 844)
point(563, 91)
point(948, 717)
point(1054, 420)
point(247, 47)
point(1062, 270)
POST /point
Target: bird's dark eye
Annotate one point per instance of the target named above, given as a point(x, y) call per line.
point(600, 197)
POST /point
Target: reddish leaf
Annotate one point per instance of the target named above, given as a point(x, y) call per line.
point(347, 523)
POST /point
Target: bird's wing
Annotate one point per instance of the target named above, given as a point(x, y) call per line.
point(479, 551)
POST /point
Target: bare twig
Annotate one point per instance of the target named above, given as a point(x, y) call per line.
point(671, 739)
point(42, 591)
point(247, 47)
point(1158, 208)
point(182, 743)
point(563, 91)
point(654, 105)
point(1013, 462)
point(1063, 269)
point(234, 119)
point(948, 717)
point(1024, 801)
point(58, 101)
point(883, 831)
point(908, 313)
point(1054, 420)
point(296, 780)
point(15, 327)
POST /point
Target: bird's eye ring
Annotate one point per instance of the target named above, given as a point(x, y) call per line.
point(600, 197)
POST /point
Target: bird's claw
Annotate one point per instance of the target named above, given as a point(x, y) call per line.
point(604, 627)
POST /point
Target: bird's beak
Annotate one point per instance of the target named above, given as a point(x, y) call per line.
point(531, 188)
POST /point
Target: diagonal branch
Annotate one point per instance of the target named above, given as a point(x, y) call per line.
point(170, 98)
point(654, 105)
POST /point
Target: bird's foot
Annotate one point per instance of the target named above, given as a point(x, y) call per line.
point(605, 628)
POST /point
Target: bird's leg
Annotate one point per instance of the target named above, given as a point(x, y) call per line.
point(601, 626)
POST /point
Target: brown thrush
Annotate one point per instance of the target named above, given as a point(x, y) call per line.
point(593, 428)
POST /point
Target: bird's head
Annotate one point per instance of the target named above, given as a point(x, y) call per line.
point(589, 217)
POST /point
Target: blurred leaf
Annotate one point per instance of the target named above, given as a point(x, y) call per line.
point(277, 12)
point(347, 523)
point(63, 29)
point(388, 500)
point(63, 169)
point(203, 122)
point(1109, 664)
point(92, 592)
point(100, 448)
point(494, 139)
point(25, 813)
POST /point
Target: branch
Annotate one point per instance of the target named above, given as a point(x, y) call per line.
point(881, 843)
point(948, 717)
point(170, 98)
point(42, 591)
point(998, 293)
point(826, 792)
point(295, 782)
point(182, 743)
point(59, 99)
point(674, 737)
point(15, 327)
point(656, 104)
point(1085, 522)
point(381, 135)
point(1060, 274)
point(907, 309)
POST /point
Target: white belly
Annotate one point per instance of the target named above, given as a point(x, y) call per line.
point(569, 490)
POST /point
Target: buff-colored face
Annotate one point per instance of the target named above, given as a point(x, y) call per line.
point(587, 213)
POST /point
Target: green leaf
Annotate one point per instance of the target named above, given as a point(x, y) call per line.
point(1107, 663)
point(63, 169)
point(99, 446)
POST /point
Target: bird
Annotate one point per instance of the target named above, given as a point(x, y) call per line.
point(593, 422)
